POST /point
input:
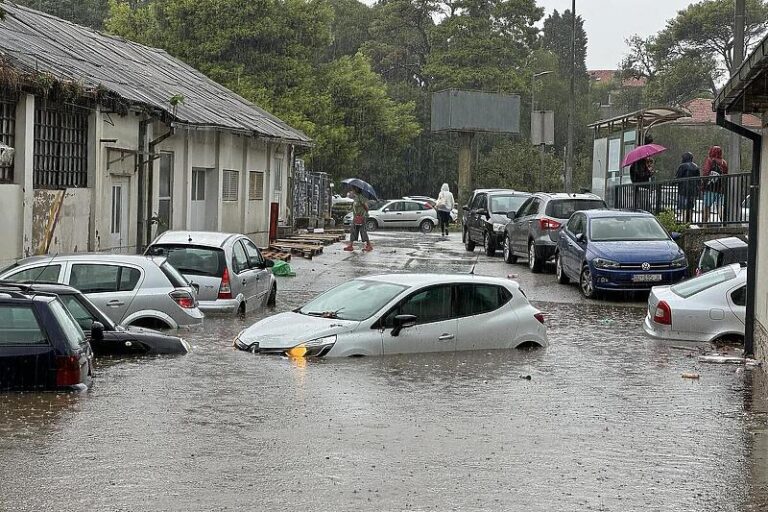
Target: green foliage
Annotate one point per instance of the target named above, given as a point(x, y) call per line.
point(90, 13)
point(668, 219)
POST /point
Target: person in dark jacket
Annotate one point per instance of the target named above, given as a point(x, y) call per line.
point(686, 191)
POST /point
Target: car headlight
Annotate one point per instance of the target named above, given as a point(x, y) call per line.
point(238, 341)
point(320, 342)
point(498, 227)
point(680, 262)
point(315, 347)
point(604, 263)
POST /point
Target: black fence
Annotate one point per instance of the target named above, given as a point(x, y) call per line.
point(701, 200)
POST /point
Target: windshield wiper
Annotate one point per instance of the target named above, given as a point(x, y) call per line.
point(324, 314)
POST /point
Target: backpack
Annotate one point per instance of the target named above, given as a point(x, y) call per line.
point(713, 181)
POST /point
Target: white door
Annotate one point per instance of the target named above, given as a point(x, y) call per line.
point(118, 231)
point(197, 205)
point(436, 325)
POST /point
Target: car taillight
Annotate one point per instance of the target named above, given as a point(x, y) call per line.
point(225, 291)
point(663, 314)
point(546, 224)
point(183, 299)
point(539, 317)
point(67, 371)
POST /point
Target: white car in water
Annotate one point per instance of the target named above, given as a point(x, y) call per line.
point(404, 313)
point(706, 308)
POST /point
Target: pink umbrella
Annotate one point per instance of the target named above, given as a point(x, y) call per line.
point(641, 152)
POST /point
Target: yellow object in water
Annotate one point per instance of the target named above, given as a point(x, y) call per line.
point(297, 351)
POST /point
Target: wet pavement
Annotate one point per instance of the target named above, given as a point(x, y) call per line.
point(605, 422)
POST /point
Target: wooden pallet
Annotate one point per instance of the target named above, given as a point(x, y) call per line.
point(272, 254)
point(299, 241)
point(307, 251)
point(325, 238)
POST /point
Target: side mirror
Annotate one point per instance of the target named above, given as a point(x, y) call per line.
point(511, 215)
point(580, 238)
point(97, 331)
point(386, 210)
point(483, 212)
point(403, 322)
point(268, 263)
point(675, 236)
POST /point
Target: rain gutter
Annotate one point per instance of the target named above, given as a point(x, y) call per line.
point(754, 204)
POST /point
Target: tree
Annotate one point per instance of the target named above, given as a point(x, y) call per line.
point(90, 13)
point(556, 37)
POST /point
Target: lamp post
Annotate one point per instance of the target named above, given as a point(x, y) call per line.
point(533, 113)
point(571, 105)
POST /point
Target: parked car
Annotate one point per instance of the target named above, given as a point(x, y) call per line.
point(405, 313)
point(41, 345)
point(338, 199)
point(433, 202)
point(108, 338)
point(132, 290)
point(617, 250)
point(403, 213)
point(533, 230)
point(706, 308)
point(486, 217)
point(720, 252)
point(372, 205)
point(227, 268)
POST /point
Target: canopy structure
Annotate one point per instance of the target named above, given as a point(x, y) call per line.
point(640, 120)
point(747, 90)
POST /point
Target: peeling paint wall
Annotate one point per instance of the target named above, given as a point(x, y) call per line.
point(61, 220)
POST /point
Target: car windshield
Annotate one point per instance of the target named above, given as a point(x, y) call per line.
point(191, 259)
point(615, 229)
point(505, 204)
point(564, 208)
point(355, 300)
point(83, 317)
point(699, 284)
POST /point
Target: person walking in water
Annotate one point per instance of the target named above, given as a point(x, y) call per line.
point(712, 186)
point(444, 207)
point(359, 216)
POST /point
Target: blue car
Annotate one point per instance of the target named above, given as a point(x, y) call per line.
point(617, 250)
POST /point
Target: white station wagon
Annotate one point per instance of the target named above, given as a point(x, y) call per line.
point(406, 313)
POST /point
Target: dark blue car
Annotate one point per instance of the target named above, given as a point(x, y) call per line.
point(617, 250)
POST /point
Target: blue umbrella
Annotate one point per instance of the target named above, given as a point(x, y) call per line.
point(367, 190)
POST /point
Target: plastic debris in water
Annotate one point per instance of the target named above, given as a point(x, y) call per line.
point(525, 377)
point(691, 375)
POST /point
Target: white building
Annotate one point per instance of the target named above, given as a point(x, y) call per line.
point(116, 141)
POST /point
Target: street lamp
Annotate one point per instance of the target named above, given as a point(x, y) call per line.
point(533, 113)
point(533, 87)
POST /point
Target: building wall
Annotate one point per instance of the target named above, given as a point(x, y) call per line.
point(12, 200)
point(61, 220)
point(761, 264)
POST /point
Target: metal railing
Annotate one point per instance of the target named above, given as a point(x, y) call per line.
point(701, 200)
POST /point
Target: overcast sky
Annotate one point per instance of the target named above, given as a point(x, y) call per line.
point(609, 22)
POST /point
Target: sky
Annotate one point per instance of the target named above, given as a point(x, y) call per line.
point(609, 22)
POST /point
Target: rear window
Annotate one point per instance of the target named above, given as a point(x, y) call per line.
point(19, 326)
point(476, 299)
point(177, 280)
point(710, 259)
point(506, 204)
point(191, 259)
point(699, 284)
point(42, 274)
point(564, 208)
point(72, 331)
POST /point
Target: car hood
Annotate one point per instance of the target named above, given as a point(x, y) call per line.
point(287, 330)
point(153, 342)
point(656, 251)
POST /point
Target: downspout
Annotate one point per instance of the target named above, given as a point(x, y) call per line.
point(150, 180)
point(142, 216)
point(754, 203)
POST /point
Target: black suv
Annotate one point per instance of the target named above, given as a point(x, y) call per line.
point(485, 217)
point(41, 344)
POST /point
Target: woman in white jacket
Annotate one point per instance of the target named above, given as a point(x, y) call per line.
point(444, 207)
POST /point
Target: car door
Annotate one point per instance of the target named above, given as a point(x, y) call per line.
point(245, 278)
point(414, 212)
point(483, 320)
point(392, 215)
point(259, 271)
point(570, 250)
point(737, 300)
point(477, 217)
point(523, 225)
point(111, 287)
point(436, 325)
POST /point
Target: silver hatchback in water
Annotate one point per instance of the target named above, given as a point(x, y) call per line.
point(130, 289)
point(228, 269)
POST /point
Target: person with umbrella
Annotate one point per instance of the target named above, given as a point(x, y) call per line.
point(360, 189)
point(641, 169)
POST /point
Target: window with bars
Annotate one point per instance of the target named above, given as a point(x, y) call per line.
point(278, 174)
point(229, 185)
point(256, 186)
point(7, 132)
point(61, 148)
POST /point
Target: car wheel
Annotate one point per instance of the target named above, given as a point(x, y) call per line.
point(559, 272)
point(272, 300)
point(490, 247)
point(586, 285)
point(534, 263)
point(426, 226)
point(469, 245)
point(509, 255)
point(371, 225)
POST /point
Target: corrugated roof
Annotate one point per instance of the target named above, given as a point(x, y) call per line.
point(747, 90)
point(34, 41)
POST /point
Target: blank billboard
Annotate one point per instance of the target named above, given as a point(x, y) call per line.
point(469, 111)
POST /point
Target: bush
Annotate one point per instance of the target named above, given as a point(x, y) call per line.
point(668, 219)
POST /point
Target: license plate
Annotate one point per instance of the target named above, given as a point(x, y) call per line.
point(646, 278)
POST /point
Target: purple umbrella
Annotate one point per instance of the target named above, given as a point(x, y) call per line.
point(641, 152)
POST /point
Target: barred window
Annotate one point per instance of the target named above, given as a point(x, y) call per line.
point(61, 147)
point(230, 185)
point(7, 131)
point(278, 174)
point(256, 186)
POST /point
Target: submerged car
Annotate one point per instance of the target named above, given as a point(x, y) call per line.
point(706, 308)
point(720, 252)
point(617, 250)
point(406, 313)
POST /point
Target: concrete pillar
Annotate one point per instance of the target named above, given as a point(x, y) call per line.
point(245, 178)
point(220, 173)
point(465, 167)
point(96, 179)
point(23, 168)
point(187, 180)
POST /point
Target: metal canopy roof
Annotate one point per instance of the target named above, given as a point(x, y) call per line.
point(747, 90)
point(642, 118)
point(32, 41)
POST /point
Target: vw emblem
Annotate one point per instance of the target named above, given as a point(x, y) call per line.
point(646, 266)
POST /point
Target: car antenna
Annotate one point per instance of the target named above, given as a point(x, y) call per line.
point(189, 238)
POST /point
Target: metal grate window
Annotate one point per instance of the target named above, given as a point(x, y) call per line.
point(278, 174)
point(7, 132)
point(61, 148)
point(229, 185)
point(256, 186)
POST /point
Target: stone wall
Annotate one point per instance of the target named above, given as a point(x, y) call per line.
point(692, 241)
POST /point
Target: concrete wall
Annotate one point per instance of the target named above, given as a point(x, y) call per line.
point(692, 241)
point(61, 220)
point(761, 293)
point(12, 200)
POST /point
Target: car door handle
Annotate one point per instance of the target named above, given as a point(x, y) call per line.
point(446, 337)
point(115, 303)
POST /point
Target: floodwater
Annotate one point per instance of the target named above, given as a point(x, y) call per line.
point(605, 422)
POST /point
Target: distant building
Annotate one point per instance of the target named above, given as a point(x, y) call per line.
point(612, 84)
point(116, 142)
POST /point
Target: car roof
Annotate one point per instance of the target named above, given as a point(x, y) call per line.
point(504, 192)
point(58, 289)
point(7, 294)
point(136, 259)
point(487, 190)
point(563, 195)
point(730, 242)
point(412, 280)
point(605, 212)
point(202, 238)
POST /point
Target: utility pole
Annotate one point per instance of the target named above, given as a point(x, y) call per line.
point(571, 105)
point(541, 125)
point(732, 206)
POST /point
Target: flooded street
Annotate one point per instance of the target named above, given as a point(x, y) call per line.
point(605, 421)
